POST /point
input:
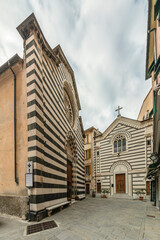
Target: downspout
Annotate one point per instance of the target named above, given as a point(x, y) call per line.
point(154, 112)
point(95, 164)
point(15, 150)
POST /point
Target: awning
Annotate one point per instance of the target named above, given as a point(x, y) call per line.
point(153, 169)
point(154, 165)
point(151, 173)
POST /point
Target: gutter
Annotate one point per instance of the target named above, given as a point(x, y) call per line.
point(15, 149)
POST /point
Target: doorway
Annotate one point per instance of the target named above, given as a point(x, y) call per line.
point(87, 188)
point(120, 183)
point(69, 180)
point(148, 188)
point(98, 187)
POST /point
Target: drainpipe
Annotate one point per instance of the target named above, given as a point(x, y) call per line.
point(95, 164)
point(15, 150)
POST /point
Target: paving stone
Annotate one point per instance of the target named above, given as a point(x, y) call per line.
point(93, 219)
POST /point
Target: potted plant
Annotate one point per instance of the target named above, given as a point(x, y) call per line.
point(105, 193)
point(76, 197)
point(140, 193)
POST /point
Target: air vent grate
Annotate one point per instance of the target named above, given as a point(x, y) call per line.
point(40, 227)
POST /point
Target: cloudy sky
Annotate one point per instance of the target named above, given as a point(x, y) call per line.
point(104, 41)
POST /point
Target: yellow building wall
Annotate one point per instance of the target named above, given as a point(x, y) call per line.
point(150, 36)
point(7, 180)
point(146, 105)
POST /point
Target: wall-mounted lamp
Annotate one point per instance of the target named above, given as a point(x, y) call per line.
point(154, 157)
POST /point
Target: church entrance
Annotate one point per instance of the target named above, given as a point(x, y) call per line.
point(120, 183)
point(148, 188)
point(69, 180)
point(87, 188)
point(98, 187)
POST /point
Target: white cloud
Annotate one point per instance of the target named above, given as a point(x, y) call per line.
point(104, 41)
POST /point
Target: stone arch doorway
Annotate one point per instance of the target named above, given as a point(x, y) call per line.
point(71, 151)
point(121, 178)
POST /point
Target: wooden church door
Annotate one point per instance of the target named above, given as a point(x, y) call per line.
point(98, 187)
point(120, 183)
point(69, 180)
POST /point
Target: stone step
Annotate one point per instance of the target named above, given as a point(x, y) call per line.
point(118, 195)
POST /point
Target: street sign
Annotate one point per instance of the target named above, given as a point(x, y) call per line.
point(29, 165)
point(29, 180)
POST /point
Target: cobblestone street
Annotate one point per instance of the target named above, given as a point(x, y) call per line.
point(93, 219)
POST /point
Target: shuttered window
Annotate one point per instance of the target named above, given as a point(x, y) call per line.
point(86, 139)
point(87, 170)
point(88, 154)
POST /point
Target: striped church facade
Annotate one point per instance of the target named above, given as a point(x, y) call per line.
point(48, 75)
point(123, 171)
point(54, 127)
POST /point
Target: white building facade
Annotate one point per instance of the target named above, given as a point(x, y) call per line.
point(121, 157)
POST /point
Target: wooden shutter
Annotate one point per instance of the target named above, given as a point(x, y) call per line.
point(89, 153)
point(89, 169)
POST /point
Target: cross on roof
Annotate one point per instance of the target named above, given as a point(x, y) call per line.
point(118, 109)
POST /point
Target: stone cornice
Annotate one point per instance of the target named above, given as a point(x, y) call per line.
point(125, 121)
point(26, 29)
point(60, 55)
point(13, 60)
point(30, 26)
point(81, 125)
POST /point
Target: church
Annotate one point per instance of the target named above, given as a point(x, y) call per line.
point(121, 155)
point(41, 142)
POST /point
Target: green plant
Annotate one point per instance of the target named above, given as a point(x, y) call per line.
point(105, 191)
point(140, 192)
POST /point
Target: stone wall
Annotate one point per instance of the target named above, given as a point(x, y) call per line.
point(14, 205)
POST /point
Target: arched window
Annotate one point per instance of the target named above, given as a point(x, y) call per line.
point(119, 144)
point(123, 144)
point(115, 146)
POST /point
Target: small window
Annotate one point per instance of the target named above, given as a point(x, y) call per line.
point(97, 153)
point(148, 142)
point(88, 154)
point(124, 144)
point(115, 146)
point(119, 145)
point(86, 139)
point(143, 117)
point(87, 170)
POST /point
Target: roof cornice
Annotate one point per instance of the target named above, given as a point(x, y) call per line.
point(26, 29)
point(30, 25)
point(12, 61)
point(62, 58)
point(128, 122)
